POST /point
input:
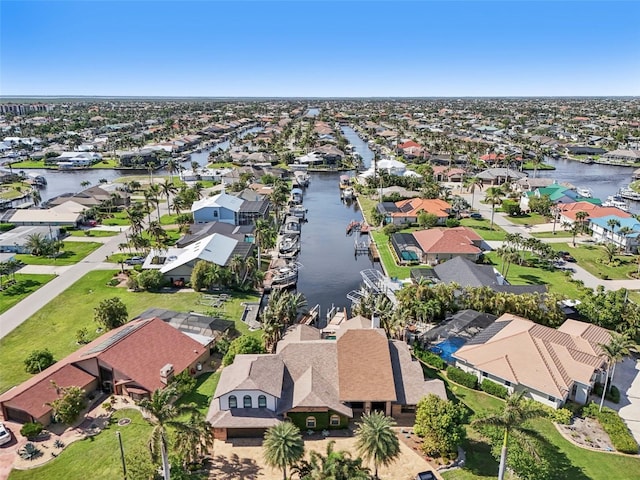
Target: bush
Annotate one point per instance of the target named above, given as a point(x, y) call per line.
point(114, 282)
point(511, 208)
point(5, 227)
point(132, 283)
point(452, 222)
point(150, 280)
point(82, 336)
point(184, 382)
point(562, 416)
point(38, 360)
point(493, 388)
point(611, 422)
point(613, 395)
point(465, 379)
point(30, 452)
point(242, 344)
point(429, 358)
point(390, 229)
point(31, 430)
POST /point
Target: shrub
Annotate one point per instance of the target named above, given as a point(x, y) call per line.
point(5, 227)
point(150, 280)
point(493, 388)
point(511, 208)
point(132, 283)
point(452, 222)
point(613, 395)
point(184, 382)
point(114, 282)
point(30, 452)
point(429, 358)
point(611, 422)
point(562, 416)
point(31, 430)
point(465, 379)
point(58, 443)
point(38, 360)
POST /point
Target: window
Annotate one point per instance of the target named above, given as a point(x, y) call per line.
point(334, 421)
point(507, 383)
point(215, 213)
point(233, 402)
point(262, 401)
point(247, 401)
point(551, 399)
point(311, 422)
point(484, 374)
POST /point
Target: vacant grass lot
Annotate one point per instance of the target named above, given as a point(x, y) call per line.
point(24, 286)
point(483, 228)
point(55, 325)
point(367, 204)
point(387, 256)
point(92, 233)
point(72, 253)
point(530, 219)
point(558, 234)
point(593, 259)
point(94, 457)
point(556, 280)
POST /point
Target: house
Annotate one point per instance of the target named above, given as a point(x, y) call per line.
point(389, 166)
point(198, 231)
point(14, 241)
point(94, 197)
point(176, 264)
point(66, 214)
point(466, 273)
point(568, 211)
point(227, 208)
point(134, 360)
point(498, 176)
point(435, 245)
point(407, 211)
point(621, 156)
point(68, 160)
point(558, 194)
point(616, 229)
point(446, 174)
point(318, 383)
point(551, 365)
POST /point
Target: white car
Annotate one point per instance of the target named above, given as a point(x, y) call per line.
point(5, 434)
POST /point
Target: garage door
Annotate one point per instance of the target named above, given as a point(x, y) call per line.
point(245, 432)
point(18, 415)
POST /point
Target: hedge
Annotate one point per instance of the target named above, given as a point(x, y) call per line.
point(430, 358)
point(613, 395)
point(494, 388)
point(465, 379)
point(5, 227)
point(611, 422)
point(31, 430)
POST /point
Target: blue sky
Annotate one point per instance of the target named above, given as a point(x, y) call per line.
point(307, 48)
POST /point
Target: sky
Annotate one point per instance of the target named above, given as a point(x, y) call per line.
point(310, 48)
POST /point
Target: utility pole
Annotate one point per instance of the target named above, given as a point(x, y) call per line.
point(124, 465)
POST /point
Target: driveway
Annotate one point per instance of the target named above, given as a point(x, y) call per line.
point(627, 379)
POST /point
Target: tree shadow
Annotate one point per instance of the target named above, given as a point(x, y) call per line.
point(234, 467)
point(20, 288)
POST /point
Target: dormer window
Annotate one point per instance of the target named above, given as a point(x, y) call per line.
point(233, 402)
point(247, 403)
point(262, 401)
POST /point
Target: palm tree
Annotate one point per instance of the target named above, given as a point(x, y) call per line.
point(37, 244)
point(164, 413)
point(167, 188)
point(36, 198)
point(283, 446)
point(494, 197)
point(85, 183)
point(471, 183)
point(581, 216)
point(262, 229)
point(614, 351)
point(194, 438)
point(610, 250)
point(335, 465)
point(613, 223)
point(172, 167)
point(516, 411)
point(376, 441)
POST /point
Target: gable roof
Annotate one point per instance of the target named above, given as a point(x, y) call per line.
point(252, 372)
point(536, 356)
point(595, 211)
point(364, 366)
point(223, 200)
point(411, 207)
point(215, 248)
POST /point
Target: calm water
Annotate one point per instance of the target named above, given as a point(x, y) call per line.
point(360, 145)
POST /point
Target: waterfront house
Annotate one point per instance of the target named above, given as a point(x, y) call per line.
point(13, 241)
point(568, 211)
point(435, 245)
point(70, 160)
point(407, 211)
point(551, 365)
point(318, 383)
point(67, 214)
point(558, 194)
point(619, 230)
point(621, 156)
point(133, 360)
point(498, 176)
point(227, 208)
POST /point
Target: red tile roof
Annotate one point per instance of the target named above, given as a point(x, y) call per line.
point(569, 210)
point(440, 208)
point(408, 144)
point(448, 240)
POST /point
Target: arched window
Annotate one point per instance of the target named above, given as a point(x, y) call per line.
point(334, 421)
point(311, 422)
point(247, 401)
point(233, 402)
point(262, 401)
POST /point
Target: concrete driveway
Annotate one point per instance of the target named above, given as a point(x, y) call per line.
point(627, 379)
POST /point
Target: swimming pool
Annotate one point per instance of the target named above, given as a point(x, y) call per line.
point(448, 347)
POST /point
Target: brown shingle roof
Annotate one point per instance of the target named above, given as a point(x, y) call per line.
point(364, 367)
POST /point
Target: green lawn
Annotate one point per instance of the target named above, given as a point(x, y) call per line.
point(556, 280)
point(24, 286)
point(530, 219)
point(94, 457)
point(168, 219)
point(14, 190)
point(117, 218)
point(593, 259)
point(387, 257)
point(202, 394)
point(55, 325)
point(92, 233)
point(559, 234)
point(482, 228)
point(542, 166)
point(366, 205)
point(72, 253)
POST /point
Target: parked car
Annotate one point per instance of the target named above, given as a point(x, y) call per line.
point(425, 476)
point(476, 215)
point(134, 261)
point(5, 434)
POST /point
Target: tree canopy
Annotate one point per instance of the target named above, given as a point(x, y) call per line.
point(440, 423)
point(111, 313)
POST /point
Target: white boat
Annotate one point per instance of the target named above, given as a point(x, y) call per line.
point(629, 194)
point(616, 201)
point(302, 178)
point(298, 211)
point(287, 275)
point(348, 194)
point(289, 243)
point(584, 192)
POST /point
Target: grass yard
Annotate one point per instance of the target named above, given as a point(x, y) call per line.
point(92, 233)
point(367, 204)
point(558, 234)
point(24, 286)
point(168, 219)
point(387, 257)
point(482, 228)
point(94, 457)
point(556, 280)
point(55, 325)
point(202, 394)
point(117, 218)
point(593, 259)
point(530, 219)
point(72, 253)
point(542, 166)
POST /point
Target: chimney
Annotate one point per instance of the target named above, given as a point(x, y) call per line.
point(166, 373)
point(375, 320)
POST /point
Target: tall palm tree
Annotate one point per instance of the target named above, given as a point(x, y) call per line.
point(262, 228)
point(516, 411)
point(164, 413)
point(36, 198)
point(172, 167)
point(494, 197)
point(581, 217)
point(614, 351)
point(194, 438)
point(282, 446)
point(613, 223)
point(167, 188)
point(376, 441)
point(470, 184)
point(335, 465)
